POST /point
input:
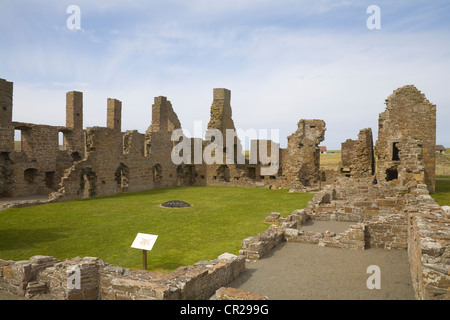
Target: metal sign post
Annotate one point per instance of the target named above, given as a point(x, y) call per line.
point(144, 242)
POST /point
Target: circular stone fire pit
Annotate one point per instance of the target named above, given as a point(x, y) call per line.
point(175, 204)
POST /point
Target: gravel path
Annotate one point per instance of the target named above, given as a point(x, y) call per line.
point(297, 271)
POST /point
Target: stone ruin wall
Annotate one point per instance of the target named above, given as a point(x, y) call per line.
point(357, 155)
point(405, 147)
point(407, 139)
point(395, 214)
point(386, 215)
point(100, 161)
point(301, 160)
point(105, 160)
point(390, 216)
point(46, 278)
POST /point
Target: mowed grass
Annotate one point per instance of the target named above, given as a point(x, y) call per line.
point(219, 219)
point(442, 194)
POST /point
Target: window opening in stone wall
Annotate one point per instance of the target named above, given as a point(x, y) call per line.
point(395, 152)
point(391, 174)
point(223, 173)
point(157, 174)
point(50, 180)
point(18, 140)
point(122, 177)
point(30, 175)
point(76, 156)
point(251, 172)
point(61, 141)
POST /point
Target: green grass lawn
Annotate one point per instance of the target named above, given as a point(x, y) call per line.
point(219, 219)
point(442, 194)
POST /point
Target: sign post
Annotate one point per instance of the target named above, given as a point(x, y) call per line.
point(144, 242)
point(144, 259)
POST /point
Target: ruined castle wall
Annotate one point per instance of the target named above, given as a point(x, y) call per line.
point(407, 124)
point(6, 138)
point(114, 163)
point(134, 172)
point(74, 141)
point(159, 144)
point(39, 164)
point(429, 246)
point(38, 167)
point(393, 217)
point(301, 161)
point(6, 127)
point(221, 114)
point(379, 207)
point(348, 153)
point(103, 160)
point(358, 156)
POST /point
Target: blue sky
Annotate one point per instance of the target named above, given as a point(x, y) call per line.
point(283, 60)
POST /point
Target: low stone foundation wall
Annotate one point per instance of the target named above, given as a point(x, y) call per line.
point(394, 217)
point(353, 238)
point(406, 219)
point(255, 248)
point(46, 278)
point(429, 250)
point(388, 232)
point(18, 277)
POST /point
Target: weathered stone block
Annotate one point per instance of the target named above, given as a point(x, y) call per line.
point(371, 212)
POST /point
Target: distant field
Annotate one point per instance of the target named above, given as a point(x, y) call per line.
point(443, 164)
point(330, 160)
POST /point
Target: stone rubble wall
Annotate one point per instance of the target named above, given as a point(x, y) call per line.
point(100, 161)
point(393, 217)
point(379, 207)
point(409, 125)
point(429, 249)
point(256, 247)
point(46, 278)
point(352, 238)
point(357, 158)
point(411, 221)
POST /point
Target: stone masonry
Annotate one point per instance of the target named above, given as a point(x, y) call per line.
point(406, 142)
point(357, 155)
point(396, 213)
point(100, 161)
point(46, 278)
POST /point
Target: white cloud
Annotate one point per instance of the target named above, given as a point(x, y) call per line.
point(278, 73)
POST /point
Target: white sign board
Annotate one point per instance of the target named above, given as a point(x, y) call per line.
point(144, 241)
